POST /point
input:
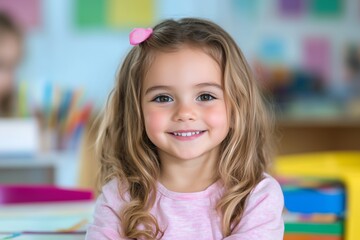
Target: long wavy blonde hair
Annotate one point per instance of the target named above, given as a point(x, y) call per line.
point(126, 153)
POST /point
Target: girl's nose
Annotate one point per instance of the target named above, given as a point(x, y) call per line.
point(185, 112)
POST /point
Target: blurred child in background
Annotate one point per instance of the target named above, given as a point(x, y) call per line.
point(10, 54)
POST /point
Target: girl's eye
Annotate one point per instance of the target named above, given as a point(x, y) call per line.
point(162, 98)
point(207, 97)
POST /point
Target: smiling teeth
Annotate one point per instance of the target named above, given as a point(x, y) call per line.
point(188, 134)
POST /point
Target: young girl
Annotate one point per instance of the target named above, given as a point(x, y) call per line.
point(10, 54)
point(185, 142)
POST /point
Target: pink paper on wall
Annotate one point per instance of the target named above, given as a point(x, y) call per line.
point(25, 12)
point(317, 56)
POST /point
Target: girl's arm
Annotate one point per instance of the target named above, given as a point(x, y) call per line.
point(106, 223)
point(262, 219)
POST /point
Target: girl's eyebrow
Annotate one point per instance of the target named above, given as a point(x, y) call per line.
point(205, 84)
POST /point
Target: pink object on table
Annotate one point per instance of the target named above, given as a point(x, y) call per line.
point(10, 194)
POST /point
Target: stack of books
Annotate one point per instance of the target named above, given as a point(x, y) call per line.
point(314, 209)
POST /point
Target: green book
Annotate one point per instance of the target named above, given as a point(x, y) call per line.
point(336, 228)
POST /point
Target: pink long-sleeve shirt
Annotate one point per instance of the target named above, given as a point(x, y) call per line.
point(193, 215)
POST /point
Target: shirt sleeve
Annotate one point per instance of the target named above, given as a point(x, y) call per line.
point(262, 219)
point(106, 221)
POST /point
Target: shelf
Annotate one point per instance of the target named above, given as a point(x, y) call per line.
point(341, 122)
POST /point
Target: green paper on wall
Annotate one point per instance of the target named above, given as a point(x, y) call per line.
point(90, 13)
point(326, 8)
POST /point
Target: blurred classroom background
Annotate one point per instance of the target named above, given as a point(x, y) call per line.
point(304, 53)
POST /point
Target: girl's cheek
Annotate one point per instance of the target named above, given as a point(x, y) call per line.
point(216, 116)
point(156, 120)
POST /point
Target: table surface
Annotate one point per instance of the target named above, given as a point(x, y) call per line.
point(46, 237)
point(46, 217)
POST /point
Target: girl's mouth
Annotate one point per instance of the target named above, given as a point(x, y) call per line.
point(185, 136)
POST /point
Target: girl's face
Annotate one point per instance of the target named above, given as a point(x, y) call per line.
point(10, 51)
point(182, 92)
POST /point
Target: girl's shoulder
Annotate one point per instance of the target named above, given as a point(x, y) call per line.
point(268, 185)
point(106, 215)
point(268, 190)
point(262, 216)
point(269, 182)
point(111, 185)
point(111, 192)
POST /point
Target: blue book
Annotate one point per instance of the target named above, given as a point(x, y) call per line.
point(326, 200)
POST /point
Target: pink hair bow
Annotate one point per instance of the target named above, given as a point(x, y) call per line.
point(138, 35)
